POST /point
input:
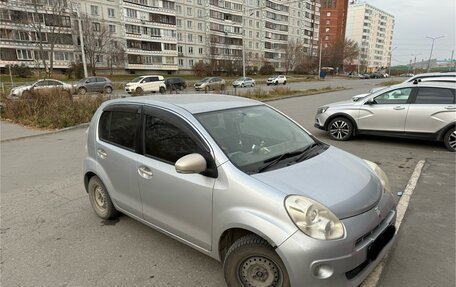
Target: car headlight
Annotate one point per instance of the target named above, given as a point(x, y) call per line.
point(313, 218)
point(380, 174)
point(321, 110)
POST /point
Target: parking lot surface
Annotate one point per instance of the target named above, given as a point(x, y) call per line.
point(51, 237)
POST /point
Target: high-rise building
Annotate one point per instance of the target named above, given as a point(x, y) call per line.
point(333, 19)
point(158, 35)
point(373, 30)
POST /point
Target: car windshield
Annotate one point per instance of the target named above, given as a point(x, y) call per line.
point(137, 79)
point(205, 79)
point(241, 79)
point(82, 80)
point(253, 137)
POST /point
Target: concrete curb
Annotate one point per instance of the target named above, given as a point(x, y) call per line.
point(80, 126)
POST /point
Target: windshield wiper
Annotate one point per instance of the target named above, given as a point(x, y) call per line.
point(308, 152)
point(275, 160)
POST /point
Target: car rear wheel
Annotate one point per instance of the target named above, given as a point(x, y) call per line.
point(108, 90)
point(139, 92)
point(450, 140)
point(82, 91)
point(251, 261)
point(100, 199)
point(27, 94)
point(340, 129)
point(253, 84)
point(162, 90)
point(284, 82)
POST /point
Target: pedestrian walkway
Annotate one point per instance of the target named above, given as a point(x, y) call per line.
point(424, 254)
point(9, 131)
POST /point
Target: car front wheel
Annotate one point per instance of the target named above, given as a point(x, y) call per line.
point(340, 129)
point(108, 90)
point(251, 261)
point(139, 92)
point(450, 140)
point(82, 91)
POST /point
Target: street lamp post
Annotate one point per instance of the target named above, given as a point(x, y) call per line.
point(432, 48)
point(391, 56)
point(81, 37)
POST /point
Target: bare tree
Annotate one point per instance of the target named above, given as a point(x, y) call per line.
point(294, 55)
point(97, 40)
point(116, 55)
point(45, 26)
point(342, 51)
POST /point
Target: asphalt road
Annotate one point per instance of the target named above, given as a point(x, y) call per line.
point(51, 237)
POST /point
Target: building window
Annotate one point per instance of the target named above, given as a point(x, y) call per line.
point(181, 62)
point(189, 11)
point(328, 14)
point(190, 50)
point(178, 22)
point(24, 54)
point(200, 26)
point(327, 30)
point(190, 63)
point(99, 58)
point(111, 13)
point(112, 28)
point(190, 37)
point(96, 27)
point(328, 22)
point(94, 10)
point(131, 13)
point(189, 24)
point(200, 38)
point(200, 51)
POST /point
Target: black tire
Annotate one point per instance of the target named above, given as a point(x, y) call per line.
point(276, 83)
point(82, 91)
point(162, 90)
point(242, 85)
point(222, 87)
point(100, 199)
point(206, 89)
point(449, 139)
point(139, 92)
point(284, 83)
point(340, 129)
point(251, 261)
point(253, 85)
point(108, 90)
point(267, 84)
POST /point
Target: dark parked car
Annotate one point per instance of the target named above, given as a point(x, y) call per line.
point(175, 84)
point(94, 84)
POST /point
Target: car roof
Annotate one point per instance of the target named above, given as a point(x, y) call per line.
point(433, 75)
point(193, 103)
point(431, 84)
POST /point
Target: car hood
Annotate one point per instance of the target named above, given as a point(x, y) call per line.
point(340, 181)
point(21, 88)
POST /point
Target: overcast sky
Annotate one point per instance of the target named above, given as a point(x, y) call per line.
point(414, 21)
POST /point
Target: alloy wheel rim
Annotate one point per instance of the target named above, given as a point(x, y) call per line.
point(339, 129)
point(452, 140)
point(259, 271)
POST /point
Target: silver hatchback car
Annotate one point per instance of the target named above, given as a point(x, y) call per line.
point(243, 183)
point(419, 110)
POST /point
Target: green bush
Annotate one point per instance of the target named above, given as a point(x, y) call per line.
point(267, 69)
point(21, 71)
point(51, 111)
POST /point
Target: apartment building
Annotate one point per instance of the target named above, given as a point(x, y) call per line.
point(31, 32)
point(160, 35)
point(220, 31)
point(333, 15)
point(373, 30)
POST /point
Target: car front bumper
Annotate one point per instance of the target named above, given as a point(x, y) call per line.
point(344, 262)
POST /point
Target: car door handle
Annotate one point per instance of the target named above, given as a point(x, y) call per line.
point(101, 153)
point(450, 107)
point(145, 172)
point(398, 108)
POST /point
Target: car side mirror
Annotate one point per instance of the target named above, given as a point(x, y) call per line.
point(191, 163)
point(370, 102)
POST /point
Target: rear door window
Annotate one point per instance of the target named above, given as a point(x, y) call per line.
point(119, 127)
point(430, 95)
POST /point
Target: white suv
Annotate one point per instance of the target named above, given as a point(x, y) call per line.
point(146, 84)
point(276, 79)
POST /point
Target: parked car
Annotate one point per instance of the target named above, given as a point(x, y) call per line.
point(94, 84)
point(42, 87)
point(434, 77)
point(175, 84)
point(243, 183)
point(210, 83)
point(146, 84)
point(376, 75)
point(276, 79)
point(244, 82)
point(419, 110)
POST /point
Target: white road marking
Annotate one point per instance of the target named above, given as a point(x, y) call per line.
point(402, 205)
